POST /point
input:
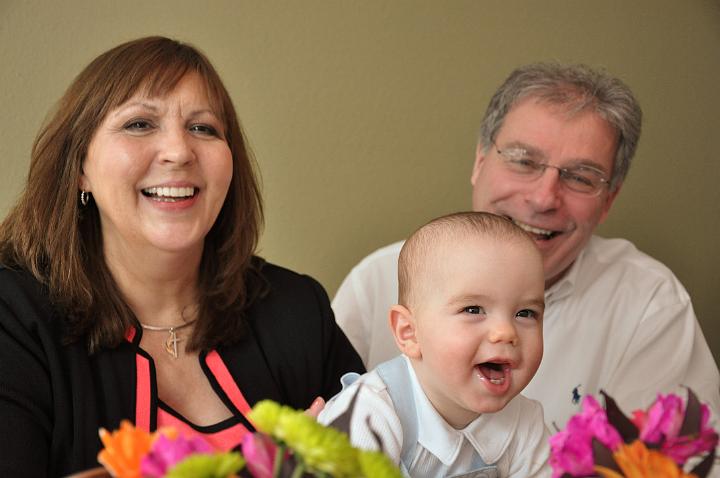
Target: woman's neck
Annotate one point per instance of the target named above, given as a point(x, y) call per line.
point(160, 287)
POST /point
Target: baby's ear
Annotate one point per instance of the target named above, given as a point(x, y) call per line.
point(403, 327)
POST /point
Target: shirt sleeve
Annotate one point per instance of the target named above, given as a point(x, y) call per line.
point(351, 313)
point(373, 418)
point(667, 352)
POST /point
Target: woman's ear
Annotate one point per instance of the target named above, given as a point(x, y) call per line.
point(83, 183)
point(404, 329)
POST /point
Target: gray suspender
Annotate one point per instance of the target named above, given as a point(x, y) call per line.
point(395, 374)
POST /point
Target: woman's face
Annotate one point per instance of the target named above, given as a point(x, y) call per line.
point(159, 169)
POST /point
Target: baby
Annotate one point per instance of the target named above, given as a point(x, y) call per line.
point(469, 326)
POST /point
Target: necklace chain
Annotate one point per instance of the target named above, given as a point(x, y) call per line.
point(172, 340)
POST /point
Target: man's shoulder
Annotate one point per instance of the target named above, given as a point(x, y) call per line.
point(620, 257)
point(384, 257)
point(614, 271)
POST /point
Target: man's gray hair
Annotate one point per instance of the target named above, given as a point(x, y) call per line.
point(578, 87)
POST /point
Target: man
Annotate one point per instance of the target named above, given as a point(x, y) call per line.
point(555, 146)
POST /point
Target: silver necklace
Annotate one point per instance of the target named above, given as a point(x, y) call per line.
point(172, 340)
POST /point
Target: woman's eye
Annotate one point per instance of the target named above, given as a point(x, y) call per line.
point(138, 125)
point(473, 309)
point(204, 129)
point(527, 313)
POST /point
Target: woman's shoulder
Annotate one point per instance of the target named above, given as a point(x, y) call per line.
point(20, 289)
point(281, 282)
point(274, 273)
point(25, 306)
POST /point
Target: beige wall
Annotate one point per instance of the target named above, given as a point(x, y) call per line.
point(363, 114)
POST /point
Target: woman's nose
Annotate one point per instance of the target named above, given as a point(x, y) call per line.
point(176, 147)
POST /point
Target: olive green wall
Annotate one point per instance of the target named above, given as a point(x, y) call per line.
point(363, 114)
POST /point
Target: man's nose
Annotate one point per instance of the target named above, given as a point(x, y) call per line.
point(545, 193)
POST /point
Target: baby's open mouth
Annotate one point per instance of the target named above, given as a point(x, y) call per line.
point(169, 194)
point(495, 372)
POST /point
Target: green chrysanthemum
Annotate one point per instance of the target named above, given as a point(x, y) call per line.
point(320, 448)
point(376, 465)
point(220, 465)
point(265, 415)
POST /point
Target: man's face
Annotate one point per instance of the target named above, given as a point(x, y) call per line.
point(561, 221)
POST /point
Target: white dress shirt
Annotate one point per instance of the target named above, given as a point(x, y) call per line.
point(514, 439)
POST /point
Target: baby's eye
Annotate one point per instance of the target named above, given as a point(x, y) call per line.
point(473, 309)
point(527, 314)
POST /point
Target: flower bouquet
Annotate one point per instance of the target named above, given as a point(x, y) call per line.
point(659, 442)
point(288, 444)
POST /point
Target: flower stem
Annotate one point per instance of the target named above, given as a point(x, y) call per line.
point(277, 463)
point(298, 471)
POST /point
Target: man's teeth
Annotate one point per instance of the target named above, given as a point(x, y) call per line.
point(533, 230)
point(169, 192)
point(497, 381)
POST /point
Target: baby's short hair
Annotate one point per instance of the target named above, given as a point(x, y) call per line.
point(418, 249)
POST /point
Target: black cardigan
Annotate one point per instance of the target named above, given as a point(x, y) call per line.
point(54, 397)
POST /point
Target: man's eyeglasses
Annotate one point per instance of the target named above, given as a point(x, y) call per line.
point(581, 179)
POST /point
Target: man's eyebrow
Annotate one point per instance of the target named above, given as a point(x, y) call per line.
point(573, 163)
point(528, 148)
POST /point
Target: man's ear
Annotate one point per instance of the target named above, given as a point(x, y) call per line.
point(608, 203)
point(404, 330)
point(477, 165)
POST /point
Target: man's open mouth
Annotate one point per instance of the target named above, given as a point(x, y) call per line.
point(536, 232)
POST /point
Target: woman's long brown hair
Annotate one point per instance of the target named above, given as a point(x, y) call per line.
point(51, 235)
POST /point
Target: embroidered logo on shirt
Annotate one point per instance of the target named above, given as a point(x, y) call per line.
point(576, 395)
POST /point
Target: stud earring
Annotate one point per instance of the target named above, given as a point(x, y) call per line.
point(84, 197)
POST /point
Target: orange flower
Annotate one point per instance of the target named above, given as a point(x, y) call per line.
point(636, 461)
point(124, 449)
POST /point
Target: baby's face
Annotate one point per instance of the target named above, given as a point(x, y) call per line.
point(479, 326)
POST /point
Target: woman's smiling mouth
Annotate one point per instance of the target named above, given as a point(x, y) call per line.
point(170, 194)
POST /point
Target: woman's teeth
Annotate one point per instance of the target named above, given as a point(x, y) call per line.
point(169, 193)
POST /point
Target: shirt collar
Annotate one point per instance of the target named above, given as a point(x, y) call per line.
point(566, 284)
point(489, 435)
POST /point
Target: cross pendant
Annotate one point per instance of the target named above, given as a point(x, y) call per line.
point(171, 343)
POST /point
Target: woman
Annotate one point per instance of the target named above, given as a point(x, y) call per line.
point(128, 286)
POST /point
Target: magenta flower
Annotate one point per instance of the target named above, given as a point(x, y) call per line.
point(661, 425)
point(259, 451)
point(571, 449)
point(662, 420)
point(681, 448)
point(165, 453)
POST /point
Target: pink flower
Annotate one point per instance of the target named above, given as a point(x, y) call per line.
point(166, 453)
point(259, 451)
point(680, 448)
point(571, 449)
point(661, 425)
point(662, 420)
